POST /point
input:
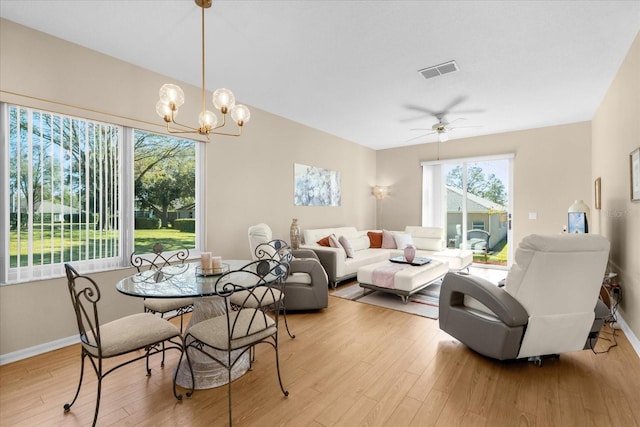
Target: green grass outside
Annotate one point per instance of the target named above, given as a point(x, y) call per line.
point(171, 239)
point(73, 243)
point(495, 258)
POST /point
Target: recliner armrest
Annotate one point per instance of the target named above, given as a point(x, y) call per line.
point(304, 253)
point(312, 267)
point(455, 286)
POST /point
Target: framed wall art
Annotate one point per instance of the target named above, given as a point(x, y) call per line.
point(634, 163)
point(315, 186)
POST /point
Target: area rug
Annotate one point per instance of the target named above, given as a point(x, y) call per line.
point(423, 303)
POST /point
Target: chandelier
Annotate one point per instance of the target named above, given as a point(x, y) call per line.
point(172, 97)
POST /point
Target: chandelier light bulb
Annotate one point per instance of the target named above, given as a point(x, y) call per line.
point(172, 95)
point(207, 120)
point(240, 114)
point(164, 110)
point(224, 100)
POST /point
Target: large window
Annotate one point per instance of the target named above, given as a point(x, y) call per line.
point(71, 189)
point(164, 173)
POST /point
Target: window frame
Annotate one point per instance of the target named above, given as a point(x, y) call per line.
point(11, 276)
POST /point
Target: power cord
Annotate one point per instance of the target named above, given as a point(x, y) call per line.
point(611, 320)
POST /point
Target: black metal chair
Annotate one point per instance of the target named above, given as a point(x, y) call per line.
point(155, 261)
point(279, 251)
point(239, 330)
point(142, 331)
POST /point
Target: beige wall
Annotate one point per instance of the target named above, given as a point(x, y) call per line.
point(248, 179)
point(616, 132)
point(551, 169)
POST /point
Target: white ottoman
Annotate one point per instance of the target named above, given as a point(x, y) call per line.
point(406, 281)
point(458, 259)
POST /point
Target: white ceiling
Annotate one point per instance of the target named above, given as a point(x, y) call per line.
point(350, 68)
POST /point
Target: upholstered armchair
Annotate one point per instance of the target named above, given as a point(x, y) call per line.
point(307, 282)
point(549, 304)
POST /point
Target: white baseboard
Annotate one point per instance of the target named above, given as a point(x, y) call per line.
point(633, 340)
point(38, 349)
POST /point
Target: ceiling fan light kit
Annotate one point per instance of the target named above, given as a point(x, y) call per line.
point(172, 98)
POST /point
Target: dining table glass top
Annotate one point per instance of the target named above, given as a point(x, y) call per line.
point(180, 281)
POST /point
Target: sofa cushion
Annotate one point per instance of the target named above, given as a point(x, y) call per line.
point(360, 241)
point(334, 242)
point(312, 235)
point(402, 240)
point(324, 241)
point(375, 239)
point(426, 238)
point(346, 244)
point(388, 242)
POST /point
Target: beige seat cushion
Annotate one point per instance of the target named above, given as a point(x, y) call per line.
point(259, 298)
point(164, 305)
point(249, 328)
point(132, 333)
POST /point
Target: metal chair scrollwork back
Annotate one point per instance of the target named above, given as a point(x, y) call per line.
point(156, 261)
point(240, 330)
point(142, 331)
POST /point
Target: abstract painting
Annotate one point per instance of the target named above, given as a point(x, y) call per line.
point(316, 186)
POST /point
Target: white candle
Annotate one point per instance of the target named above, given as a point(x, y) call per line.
point(216, 263)
point(205, 262)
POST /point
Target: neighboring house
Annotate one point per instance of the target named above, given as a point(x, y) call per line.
point(56, 210)
point(482, 214)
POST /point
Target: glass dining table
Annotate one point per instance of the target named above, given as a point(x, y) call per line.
point(184, 281)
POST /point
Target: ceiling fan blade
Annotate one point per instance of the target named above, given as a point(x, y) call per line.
point(464, 127)
point(420, 136)
point(460, 99)
point(421, 129)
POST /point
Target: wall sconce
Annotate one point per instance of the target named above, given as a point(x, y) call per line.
point(380, 192)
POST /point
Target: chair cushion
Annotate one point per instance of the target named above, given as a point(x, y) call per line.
point(164, 305)
point(304, 278)
point(214, 332)
point(132, 333)
point(259, 298)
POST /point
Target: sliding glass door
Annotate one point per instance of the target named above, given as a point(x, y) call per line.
point(470, 199)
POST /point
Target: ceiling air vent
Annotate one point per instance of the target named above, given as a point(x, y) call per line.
point(437, 70)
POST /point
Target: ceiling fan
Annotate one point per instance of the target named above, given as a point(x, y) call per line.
point(442, 129)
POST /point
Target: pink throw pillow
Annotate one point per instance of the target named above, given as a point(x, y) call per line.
point(388, 241)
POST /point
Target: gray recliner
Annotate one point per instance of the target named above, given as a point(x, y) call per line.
point(549, 304)
point(307, 283)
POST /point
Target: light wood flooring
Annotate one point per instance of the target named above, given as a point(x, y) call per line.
point(351, 364)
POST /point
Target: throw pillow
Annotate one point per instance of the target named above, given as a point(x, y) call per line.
point(334, 242)
point(388, 242)
point(402, 240)
point(375, 238)
point(324, 241)
point(347, 246)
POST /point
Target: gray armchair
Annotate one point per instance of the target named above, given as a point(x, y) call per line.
point(307, 283)
point(549, 304)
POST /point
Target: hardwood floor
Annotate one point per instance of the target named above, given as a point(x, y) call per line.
point(351, 364)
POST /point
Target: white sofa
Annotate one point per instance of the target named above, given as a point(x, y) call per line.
point(429, 242)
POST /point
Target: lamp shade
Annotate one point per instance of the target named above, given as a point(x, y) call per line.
point(240, 114)
point(579, 206)
point(207, 120)
point(380, 192)
point(224, 99)
point(172, 95)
